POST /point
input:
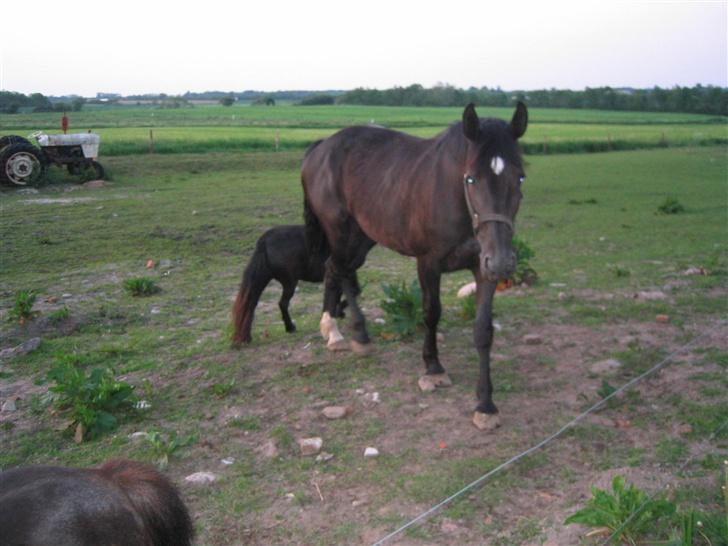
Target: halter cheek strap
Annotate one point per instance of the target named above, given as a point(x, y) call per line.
point(478, 218)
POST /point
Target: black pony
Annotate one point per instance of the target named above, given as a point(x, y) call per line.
point(122, 503)
point(282, 254)
point(449, 201)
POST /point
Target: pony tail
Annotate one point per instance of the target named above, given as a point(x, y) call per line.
point(154, 498)
point(256, 277)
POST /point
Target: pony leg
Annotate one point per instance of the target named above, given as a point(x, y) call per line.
point(289, 287)
point(486, 413)
point(435, 376)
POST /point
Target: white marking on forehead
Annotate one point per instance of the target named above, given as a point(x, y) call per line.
point(497, 164)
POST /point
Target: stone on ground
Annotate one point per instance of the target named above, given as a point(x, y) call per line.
point(201, 478)
point(608, 365)
point(310, 446)
point(336, 412)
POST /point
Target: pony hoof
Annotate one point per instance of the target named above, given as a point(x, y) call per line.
point(338, 345)
point(430, 382)
point(486, 421)
point(360, 348)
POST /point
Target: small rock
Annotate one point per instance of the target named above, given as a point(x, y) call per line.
point(269, 450)
point(650, 295)
point(608, 365)
point(138, 436)
point(380, 320)
point(562, 296)
point(155, 310)
point(371, 452)
point(323, 457)
point(359, 391)
point(24, 348)
point(150, 264)
point(227, 461)
point(497, 326)
point(142, 405)
point(66, 295)
point(440, 337)
point(310, 446)
point(359, 502)
point(165, 264)
point(9, 405)
point(336, 412)
point(201, 478)
point(467, 290)
point(695, 271)
point(558, 285)
point(664, 319)
point(532, 339)
point(372, 397)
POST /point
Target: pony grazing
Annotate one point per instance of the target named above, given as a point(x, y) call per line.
point(281, 253)
point(122, 503)
point(449, 201)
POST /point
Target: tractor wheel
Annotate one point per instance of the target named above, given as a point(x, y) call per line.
point(99, 170)
point(12, 139)
point(21, 164)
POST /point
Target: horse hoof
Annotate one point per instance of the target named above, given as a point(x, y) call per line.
point(486, 421)
point(360, 348)
point(430, 382)
point(337, 345)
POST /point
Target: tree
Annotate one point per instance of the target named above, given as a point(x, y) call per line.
point(227, 101)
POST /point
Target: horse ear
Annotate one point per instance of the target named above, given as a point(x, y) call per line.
point(471, 122)
point(520, 120)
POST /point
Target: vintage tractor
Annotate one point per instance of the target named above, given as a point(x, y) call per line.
point(22, 163)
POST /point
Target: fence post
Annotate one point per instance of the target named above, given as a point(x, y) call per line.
point(151, 141)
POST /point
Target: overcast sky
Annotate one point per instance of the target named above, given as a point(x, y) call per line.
point(83, 47)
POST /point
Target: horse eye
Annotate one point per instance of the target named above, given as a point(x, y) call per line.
point(469, 180)
point(522, 179)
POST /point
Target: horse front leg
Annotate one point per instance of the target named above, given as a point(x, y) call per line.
point(486, 413)
point(435, 375)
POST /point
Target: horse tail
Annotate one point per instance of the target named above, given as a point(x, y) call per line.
point(155, 500)
point(256, 277)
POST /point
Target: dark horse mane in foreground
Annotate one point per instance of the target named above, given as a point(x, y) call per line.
point(121, 503)
point(449, 201)
point(281, 253)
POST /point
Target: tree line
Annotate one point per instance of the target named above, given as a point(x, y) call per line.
point(11, 103)
point(698, 99)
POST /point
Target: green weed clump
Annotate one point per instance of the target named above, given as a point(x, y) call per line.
point(90, 399)
point(403, 308)
point(59, 315)
point(141, 286)
point(671, 206)
point(163, 446)
point(22, 310)
point(525, 274)
point(627, 511)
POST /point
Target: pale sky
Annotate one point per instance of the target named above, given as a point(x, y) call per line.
point(83, 47)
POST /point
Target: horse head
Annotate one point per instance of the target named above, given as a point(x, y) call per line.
point(492, 184)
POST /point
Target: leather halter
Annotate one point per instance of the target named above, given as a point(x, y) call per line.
point(478, 218)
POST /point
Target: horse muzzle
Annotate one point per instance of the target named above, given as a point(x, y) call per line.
point(498, 266)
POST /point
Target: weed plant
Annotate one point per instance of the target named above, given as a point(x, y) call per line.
point(22, 310)
point(141, 286)
point(403, 308)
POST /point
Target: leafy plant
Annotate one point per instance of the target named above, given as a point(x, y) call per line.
point(163, 446)
point(22, 310)
point(671, 206)
point(91, 399)
point(468, 307)
point(403, 307)
point(627, 511)
point(524, 274)
point(141, 286)
point(619, 271)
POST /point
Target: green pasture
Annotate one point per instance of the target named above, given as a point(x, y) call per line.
point(215, 183)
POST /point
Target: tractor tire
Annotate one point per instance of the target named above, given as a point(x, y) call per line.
point(21, 164)
point(12, 139)
point(99, 170)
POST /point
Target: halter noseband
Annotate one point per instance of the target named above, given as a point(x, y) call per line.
point(483, 218)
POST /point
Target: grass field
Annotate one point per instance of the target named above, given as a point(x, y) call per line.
point(592, 220)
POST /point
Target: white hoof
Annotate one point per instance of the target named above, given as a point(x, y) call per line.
point(430, 382)
point(486, 421)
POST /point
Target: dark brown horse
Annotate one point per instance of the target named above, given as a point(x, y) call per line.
point(449, 201)
point(281, 253)
point(122, 503)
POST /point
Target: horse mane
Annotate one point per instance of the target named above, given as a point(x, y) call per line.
point(154, 498)
point(497, 140)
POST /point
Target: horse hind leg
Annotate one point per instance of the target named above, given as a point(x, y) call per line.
point(289, 288)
